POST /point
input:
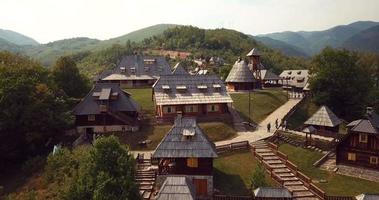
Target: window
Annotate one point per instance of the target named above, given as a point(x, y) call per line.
point(192, 162)
point(351, 156)
point(373, 160)
point(190, 109)
point(363, 138)
point(212, 108)
point(91, 118)
point(168, 109)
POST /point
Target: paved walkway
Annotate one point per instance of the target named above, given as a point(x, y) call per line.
point(261, 132)
point(313, 135)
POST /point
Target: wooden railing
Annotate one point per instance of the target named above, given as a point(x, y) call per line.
point(339, 198)
point(232, 147)
point(230, 197)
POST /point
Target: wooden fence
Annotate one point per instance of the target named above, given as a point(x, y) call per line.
point(232, 147)
point(339, 198)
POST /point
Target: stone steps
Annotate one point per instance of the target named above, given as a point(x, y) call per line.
point(303, 194)
point(274, 162)
point(281, 170)
point(270, 157)
point(296, 188)
point(291, 183)
point(285, 174)
point(276, 166)
point(306, 198)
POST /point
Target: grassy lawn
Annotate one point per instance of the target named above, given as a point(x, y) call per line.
point(143, 97)
point(336, 184)
point(306, 109)
point(233, 172)
point(263, 102)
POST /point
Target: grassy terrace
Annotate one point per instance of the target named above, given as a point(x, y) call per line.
point(233, 172)
point(304, 111)
point(335, 184)
point(263, 102)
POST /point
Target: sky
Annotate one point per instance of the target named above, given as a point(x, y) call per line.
point(50, 20)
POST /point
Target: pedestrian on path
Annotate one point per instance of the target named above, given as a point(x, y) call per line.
point(276, 123)
point(268, 127)
point(285, 125)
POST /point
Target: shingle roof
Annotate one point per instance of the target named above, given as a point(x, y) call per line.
point(179, 69)
point(309, 129)
point(324, 117)
point(139, 67)
point(367, 197)
point(240, 73)
point(363, 126)
point(177, 187)
point(295, 78)
point(176, 145)
point(268, 75)
point(215, 91)
point(272, 192)
point(89, 105)
point(254, 52)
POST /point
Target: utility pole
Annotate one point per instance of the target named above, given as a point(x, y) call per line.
point(249, 110)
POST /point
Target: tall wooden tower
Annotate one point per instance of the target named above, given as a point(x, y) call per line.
point(255, 65)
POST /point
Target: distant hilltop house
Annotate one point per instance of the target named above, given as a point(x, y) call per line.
point(186, 155)
point(295, 80)
point(190, 95)
point(170, 53)
point(136, 71)
point(360, 147)
point(240, 77)
point(106, 108)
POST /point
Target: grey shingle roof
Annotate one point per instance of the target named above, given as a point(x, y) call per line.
point(139, 67)
point(179, 69)
point(254, 52)
point(367, 197)
point(215, 91)
point(268, 75)
point(272, 192)
point(363, 126)
point(240, 73)
point(177, 145)
point(89, 105)
point(309, 129)
point(324, 117)
point(176, 187)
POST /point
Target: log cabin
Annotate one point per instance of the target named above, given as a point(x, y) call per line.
point(295, 80)
point(240, 77)
point(187, 151)
point(136, 71)
point(325, 122)
point(107, 108)
point(360, 147)
point(202, 96)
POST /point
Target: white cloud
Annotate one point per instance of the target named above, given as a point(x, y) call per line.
point(48, 20)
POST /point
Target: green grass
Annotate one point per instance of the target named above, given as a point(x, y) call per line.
point(143, 97)
point(233, 172)
point(337, 185)
point(218, 131)
point(305, 110)
point(263, 103)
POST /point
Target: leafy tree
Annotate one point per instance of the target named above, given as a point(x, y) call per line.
point(67, 77)
point(258, 178)
point(32, 111)
point(341, 83)
point(108, 173)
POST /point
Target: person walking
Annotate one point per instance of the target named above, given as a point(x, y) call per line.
point(276, 124)
point(268, 127)
point(285, 125)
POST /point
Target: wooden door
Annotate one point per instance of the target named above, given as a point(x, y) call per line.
point(201, 187)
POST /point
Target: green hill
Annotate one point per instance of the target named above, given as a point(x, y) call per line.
point(17, 38)
point(8, 46)
point(285, 48)
point(312, 42)
point(367, 40)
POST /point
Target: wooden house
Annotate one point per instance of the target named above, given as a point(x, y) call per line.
point(240, 77)
point(269, 79)
point(325, 122)
point(360, 147)
point(136, 71)
point(295, 80)
point(272, 193)
point(106, 108)
point(187, 151)
point(200, 96)
point(177, 187)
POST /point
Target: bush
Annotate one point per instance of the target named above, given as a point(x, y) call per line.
point(258, 178)
point(33, 164)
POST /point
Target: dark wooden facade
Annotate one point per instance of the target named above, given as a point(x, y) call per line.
point(197, 110)
point(179, 166)
point(132, 83)
point(326, 131)
point(104, 119)
point(233, 86)
point(359, 149)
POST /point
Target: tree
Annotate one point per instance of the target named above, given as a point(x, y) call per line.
point(107, 174)
point(258, 178)
point(339, 82)
point(67, 77)
point(32, 111)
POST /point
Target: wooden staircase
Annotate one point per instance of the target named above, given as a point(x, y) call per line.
point(145, 177)
point(281, 172)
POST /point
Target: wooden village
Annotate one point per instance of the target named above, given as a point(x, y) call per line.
point(182, 164)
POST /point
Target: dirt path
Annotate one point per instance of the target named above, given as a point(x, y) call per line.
point(261, 132)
